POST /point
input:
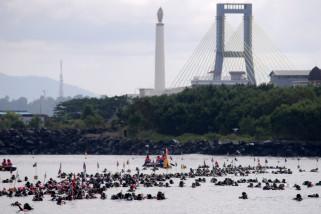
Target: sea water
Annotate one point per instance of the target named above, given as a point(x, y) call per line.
point(207, 198)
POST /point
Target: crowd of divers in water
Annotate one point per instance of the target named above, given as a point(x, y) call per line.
point(79, 186)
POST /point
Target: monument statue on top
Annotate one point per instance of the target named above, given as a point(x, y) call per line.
point(160, 15)
point(160, 54)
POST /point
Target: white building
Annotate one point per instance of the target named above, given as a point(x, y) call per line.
point(148, 92)
point(288, 78)
point(236, 78)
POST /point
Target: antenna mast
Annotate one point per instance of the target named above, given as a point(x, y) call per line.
point(61, 83)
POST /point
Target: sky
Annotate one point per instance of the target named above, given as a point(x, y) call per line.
point(107, 46)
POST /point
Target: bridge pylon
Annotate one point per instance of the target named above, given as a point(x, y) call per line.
point(221, 53)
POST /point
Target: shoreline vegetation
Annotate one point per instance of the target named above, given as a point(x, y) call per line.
point(212, 115)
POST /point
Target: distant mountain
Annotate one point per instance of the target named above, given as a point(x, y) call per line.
point(31, 87)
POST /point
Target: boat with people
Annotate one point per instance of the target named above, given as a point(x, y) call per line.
point(152, 164)
point(7, 166)
point(162, 161)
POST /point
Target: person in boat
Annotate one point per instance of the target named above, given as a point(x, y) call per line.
point(162, 159)
point(216, 164)
point(147, 160)
point(9, 164)
point(166, 163)
point(158, 159)
point(4, 163)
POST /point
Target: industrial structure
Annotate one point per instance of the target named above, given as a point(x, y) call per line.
point(61, 82)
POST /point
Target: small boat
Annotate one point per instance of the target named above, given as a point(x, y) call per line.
point(151, 164)
point(8, 168)
point(157, 165)
point(161, 163)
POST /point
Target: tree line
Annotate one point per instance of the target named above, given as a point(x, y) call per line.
point(12, 121)
point(264, 112)
point(89, 112)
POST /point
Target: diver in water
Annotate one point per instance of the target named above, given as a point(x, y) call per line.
point(244, 196)
point(298, 197)
point(26, 206)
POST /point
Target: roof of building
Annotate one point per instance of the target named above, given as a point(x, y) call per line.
point(290, 73)
point(16, 112)
point(315, 74)
point(22, 113)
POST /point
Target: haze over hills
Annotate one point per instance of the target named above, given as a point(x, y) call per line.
point(31, 87)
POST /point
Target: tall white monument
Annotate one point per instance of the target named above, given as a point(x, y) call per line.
point(160, 54)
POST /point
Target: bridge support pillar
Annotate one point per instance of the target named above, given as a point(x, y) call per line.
point(221, 53)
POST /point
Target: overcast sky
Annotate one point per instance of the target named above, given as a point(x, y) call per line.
point(108, 45)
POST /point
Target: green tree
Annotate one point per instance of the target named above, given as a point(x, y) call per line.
point(88, 111)
point(94, 121)
point(4, 124)
point(247, 126)
point(35, 122)
point(78, 124)
point(12, 120)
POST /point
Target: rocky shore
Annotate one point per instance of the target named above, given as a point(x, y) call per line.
point(95, 141)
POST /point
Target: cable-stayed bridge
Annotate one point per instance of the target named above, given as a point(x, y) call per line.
point(244, 55)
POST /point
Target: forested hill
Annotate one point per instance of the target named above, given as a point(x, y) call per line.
point(264, 112)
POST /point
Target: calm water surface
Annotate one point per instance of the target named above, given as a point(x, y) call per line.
point(205, 199)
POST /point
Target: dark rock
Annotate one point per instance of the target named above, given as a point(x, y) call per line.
point(76, 141)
